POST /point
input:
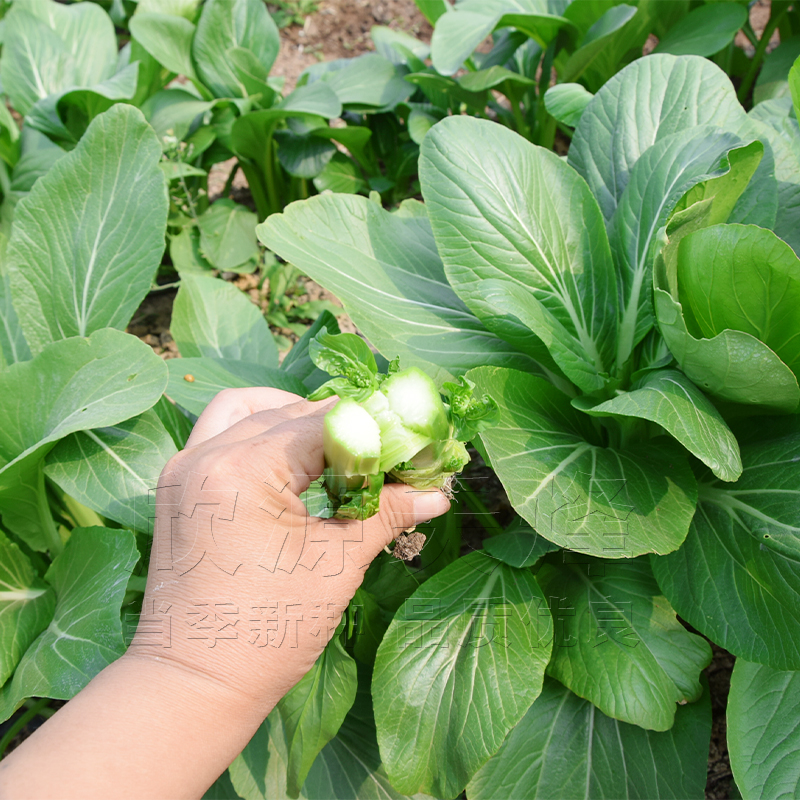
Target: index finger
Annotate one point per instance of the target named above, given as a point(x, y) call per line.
point(233, 405)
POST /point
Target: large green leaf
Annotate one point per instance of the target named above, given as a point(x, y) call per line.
point(26, 606)
point(213, 318)
point(461, 663)
point(45, 50)
point(648, 100)
point(763, 736)
point(571, 489)
point(520, 214)
point(744, 278)
point(624, 649)
point(85, 634)
point(88, 239)
point(388, 274)
point(113, 470)
point(168, 38)
point(228, 24)
point(737, 577)
point(732, 364)
point(348, 768)
point(457, 35)
point(656, 182)
point(72, 385)
point(193, 382)
point(668, 398)
point(315, 708)
point(365, 83)
point(565, 748)
point(227, 235)
point(704, 31)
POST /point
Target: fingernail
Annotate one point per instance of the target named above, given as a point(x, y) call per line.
point(430, 504)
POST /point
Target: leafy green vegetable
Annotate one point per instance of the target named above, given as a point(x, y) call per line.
point(396, 424)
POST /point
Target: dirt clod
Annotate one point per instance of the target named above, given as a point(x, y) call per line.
point(408, 545)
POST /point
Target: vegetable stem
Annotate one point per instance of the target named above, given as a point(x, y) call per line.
point(12, 732)
point(479, 510)
point(758, 56)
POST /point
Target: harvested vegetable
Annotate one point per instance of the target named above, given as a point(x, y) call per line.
point(396, 424)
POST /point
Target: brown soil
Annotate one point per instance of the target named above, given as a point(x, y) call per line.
point(718, 672)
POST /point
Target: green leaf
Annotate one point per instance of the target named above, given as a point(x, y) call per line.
point(398, 46)
point(658, 180)
point(298, 363)
point(226, 24)
point(72, 385)
point(742, 278)
point(794, 87)
point(732, 364)
point(386, 271)
point(315, 98)
point(26, 606)
point(459, 666)
point(168, 38)
point(552, 242)
point(659, 95)
point(773, 78)
point(176, 423)
point(621, 646)
point(114, 470)
point(571, 489)
point(84, 248)
point(211, 317)
point(564, 747)
point(184, 251)
point(520, 546)
point(515, 314)
point(493, 78)
point(172, 112)
point(567, 101)
point(365, 83)
point(85, 635)
point(763, 737)
point(781, 130)
point(668, 398)
point(597, 39)
point(45, 50)
point(737, 577)
point(340, 174)
point(314, 709)
point(303, 155)
point(13, 346)
point(66, 115)
point(348, 767)
point(457, 34)
point(212, 375)
point(704, 31)
point(174, 170)
point(227, 234)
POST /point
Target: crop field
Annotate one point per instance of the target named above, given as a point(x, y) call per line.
point(541, 255)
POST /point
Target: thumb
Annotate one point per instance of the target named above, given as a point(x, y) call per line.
point(401, 508)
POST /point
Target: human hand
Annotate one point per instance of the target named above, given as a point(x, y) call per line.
point(251, 587)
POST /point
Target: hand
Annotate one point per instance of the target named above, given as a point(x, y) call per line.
point(243, 592)
point(251, 587)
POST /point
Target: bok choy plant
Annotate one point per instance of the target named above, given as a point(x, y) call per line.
point(395, 424)
point(632, 310)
